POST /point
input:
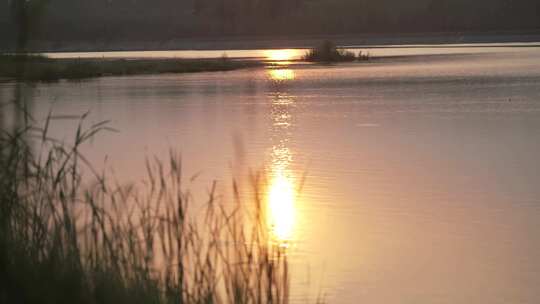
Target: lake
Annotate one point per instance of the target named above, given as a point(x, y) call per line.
point(422, 168)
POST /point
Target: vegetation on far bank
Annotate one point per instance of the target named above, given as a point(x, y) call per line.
point(64, 242)
point(25, 67)
point(34, 67)
point(329, 52)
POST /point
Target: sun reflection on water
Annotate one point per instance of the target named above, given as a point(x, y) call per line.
point(281, 74)
point(281, 194)
point(281, 209)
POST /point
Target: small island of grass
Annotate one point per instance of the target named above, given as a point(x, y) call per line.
point(329, 52)
point(24, 67)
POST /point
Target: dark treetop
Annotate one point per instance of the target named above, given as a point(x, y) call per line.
point(62, 21)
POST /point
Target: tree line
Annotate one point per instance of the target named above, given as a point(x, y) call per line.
point(150, 20)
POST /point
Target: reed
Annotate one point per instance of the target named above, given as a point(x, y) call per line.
point(64, 241)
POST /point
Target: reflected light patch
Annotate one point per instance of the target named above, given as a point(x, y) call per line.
point(281, 207)
point(283, 100)
point(281, 55)
point(281, 74)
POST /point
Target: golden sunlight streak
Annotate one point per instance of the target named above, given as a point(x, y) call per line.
point(281, 211)
point(281, 192)
point(281, 74)
point(281, 55)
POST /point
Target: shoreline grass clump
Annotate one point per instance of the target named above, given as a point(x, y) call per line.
point(26, 67)
point(64, 242)
point(329, 52)
point(363, 56)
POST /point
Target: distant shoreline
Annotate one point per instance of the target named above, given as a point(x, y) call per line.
point(36, 68)
point(277, 42)
point(43, 68)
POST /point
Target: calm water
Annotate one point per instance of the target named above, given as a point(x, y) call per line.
point(422, 171)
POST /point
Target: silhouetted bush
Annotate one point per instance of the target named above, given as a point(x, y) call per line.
point(363, 56)
point(328, 52)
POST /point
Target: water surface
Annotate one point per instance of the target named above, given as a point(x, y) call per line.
point(421, 171)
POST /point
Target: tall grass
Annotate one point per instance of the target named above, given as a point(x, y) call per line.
point(64, 242)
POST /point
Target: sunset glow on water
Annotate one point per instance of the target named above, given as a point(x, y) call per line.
point(281, 206)
point(281, 197)
point(409, 167)
point(281, 74)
